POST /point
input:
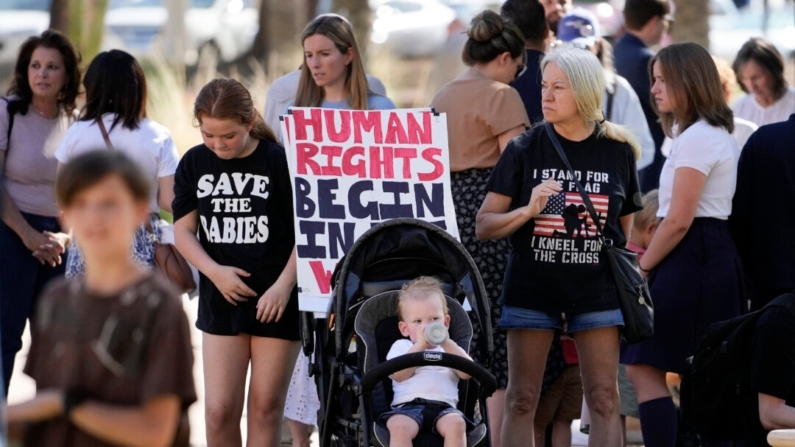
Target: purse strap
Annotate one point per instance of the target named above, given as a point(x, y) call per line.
point(104, 131)
point(583, 194)
point(148, 223)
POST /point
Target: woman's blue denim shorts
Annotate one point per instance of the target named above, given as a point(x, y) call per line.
point(519, 318)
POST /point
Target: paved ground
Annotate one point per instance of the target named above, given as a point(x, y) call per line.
point(22, 388)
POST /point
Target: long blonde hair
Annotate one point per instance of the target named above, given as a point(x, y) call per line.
point(586, 76)
point(339, 31)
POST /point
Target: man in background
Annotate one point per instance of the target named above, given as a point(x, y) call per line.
point(646, 22)
point(530, 17)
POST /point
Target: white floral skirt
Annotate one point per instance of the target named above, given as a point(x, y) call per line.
point(143, 249)
point(302, 402)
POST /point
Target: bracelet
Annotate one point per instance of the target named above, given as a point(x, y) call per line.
point(643, 269)
point(71, 399)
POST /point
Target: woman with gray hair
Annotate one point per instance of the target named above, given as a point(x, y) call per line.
point(557, 275)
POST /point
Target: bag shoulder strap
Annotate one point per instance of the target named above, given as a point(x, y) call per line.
point(104, 131)
point(583, 194)
point(11, 108)
point(611, 93)
point(786, 301)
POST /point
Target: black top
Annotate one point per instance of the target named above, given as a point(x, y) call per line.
point(763, 208)
point(556, 263)
point(245, 211)
point(631, 61)
point(772, 367)
point(529, 86)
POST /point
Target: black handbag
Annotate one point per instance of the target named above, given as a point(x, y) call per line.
point(632, 290)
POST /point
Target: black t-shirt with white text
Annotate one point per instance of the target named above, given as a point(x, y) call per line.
point(556, 263)
point(245, 211)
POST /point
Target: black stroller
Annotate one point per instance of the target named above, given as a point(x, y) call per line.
point(350, 346)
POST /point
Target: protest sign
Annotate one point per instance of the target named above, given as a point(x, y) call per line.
point(352, 169)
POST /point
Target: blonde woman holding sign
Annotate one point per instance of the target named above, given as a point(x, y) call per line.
point(483, 114)
point(332, 75)
point(233, 218)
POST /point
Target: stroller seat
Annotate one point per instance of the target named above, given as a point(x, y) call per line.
point(377, 328)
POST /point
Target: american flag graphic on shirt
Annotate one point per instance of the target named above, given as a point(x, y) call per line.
point(566, 216)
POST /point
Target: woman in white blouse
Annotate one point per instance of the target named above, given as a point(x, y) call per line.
point(692, 264)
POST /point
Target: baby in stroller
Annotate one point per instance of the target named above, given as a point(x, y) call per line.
point(424, 397)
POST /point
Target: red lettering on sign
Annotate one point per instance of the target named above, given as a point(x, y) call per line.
point(305, 152)
point(382, 162)
point(301, 123)
point(322, 276)
point(406, 154)
point(331, 152)
point(431, 155)
point(338, 135)
point(395, 133)
point(420, 134)
point(367, 121)
point(358, 168)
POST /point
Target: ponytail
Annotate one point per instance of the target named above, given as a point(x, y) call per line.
point(621, 134)
point(261, 130)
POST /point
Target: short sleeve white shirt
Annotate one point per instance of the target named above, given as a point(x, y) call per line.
point(428, 382)
point(150, 146)
point(711, 151)
point(748, 108)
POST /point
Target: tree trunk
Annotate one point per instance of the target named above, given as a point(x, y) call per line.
point(83, 21)
point(692, 22)
point(262, 42)
point(358, 12)
point(311, 10)
point(280, 26)
point(59, 15)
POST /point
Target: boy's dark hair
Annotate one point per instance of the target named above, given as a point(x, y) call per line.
point(86, 170)
point(20, 85)
point(115, 83)
point(529, 17)
point(765, 54)
point(638, 12)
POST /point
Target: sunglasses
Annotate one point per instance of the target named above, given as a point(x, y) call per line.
point(521, 67)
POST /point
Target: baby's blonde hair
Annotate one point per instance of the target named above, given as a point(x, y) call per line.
point(420, 289)
point(648, 215)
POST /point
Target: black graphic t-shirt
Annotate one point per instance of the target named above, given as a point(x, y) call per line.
point(556, 264)
point(245, 212)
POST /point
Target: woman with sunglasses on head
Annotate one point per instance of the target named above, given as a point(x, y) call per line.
point(483, 114)
point(558, 277)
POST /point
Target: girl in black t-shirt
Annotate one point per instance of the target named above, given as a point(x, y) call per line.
point(234, 221)
point(557, 273)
